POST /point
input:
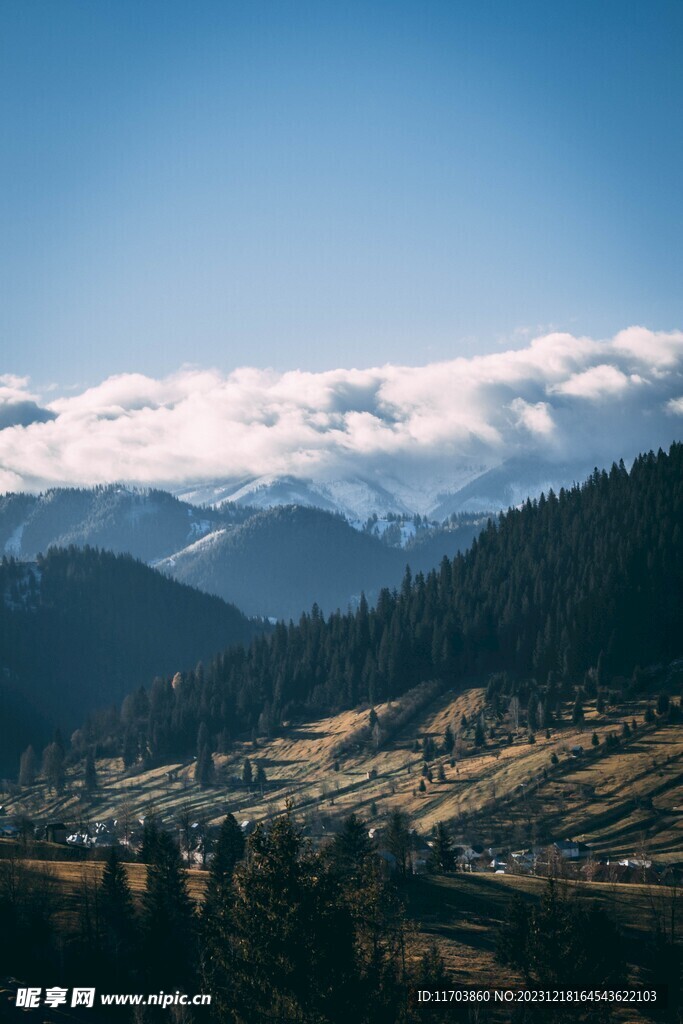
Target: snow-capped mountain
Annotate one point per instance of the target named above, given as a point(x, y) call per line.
point(435, 492)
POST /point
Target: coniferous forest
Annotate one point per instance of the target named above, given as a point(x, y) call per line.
point(285, 933)
point(79, 626)
point(589, 578)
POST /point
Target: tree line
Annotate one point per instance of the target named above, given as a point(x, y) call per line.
point(286, 933)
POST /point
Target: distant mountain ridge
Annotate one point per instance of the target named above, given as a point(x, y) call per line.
point(282, 560)
point(273, 562)
point(468, 486)
point(148, 524)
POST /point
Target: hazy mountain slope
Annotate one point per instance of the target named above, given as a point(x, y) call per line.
point(78, 629)
point(148, 524)
point(282, 560)
point(427, 549)
point(508, 485)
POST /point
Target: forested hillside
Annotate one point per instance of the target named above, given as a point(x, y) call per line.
point(588, 579)
point(79, 628)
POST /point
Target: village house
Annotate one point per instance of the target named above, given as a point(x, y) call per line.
point(56, 832)
point(571, 849)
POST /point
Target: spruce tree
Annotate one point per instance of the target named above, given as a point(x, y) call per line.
point(90, 772)
point(443, 847)
point(399, 842)
point(28, 767)
point(228, 852)
point(294, 955)
point(150, 839)
point(204, 770)
point(53, 767)
point(351, 850)
point(578, 713)
point(217, 923)
point(168, 920)
point(130, 748)
point(117, 924)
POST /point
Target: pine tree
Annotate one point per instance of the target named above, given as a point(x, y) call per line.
point(351, 850)
point(168, 921)
point(398, 840)
point(90, 772)
point(294, 955)
point(443, 848)
point(217, 923)
point(578, 713)
point(228, 852)
point(130, 748)
point(28, 767)
point(247, 772)
point(117, 925)
point(261, 777)
point(150, 840)
point(204, 769)
point(53, 767)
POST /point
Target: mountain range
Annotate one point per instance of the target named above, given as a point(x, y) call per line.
point(438, 492)
point(274, 562)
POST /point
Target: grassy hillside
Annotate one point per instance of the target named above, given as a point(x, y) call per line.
point(621, 800)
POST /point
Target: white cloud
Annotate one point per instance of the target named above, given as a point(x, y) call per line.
point(536, 418)
point(561, 396)
point(597, 382)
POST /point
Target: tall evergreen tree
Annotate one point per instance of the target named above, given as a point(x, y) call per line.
point(90, 772)
point(351, 849)
point(228, 852)
point(443, 848)
point(294, 953)
point(53, 767)
point(28, 767)
point(205, 770)
point(398, 840)
point(168, 920)
point(117, 921)
point(217, 918)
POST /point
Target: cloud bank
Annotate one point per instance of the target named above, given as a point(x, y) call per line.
point(560, 397)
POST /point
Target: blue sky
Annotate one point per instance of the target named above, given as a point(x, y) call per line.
point(312, 185)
